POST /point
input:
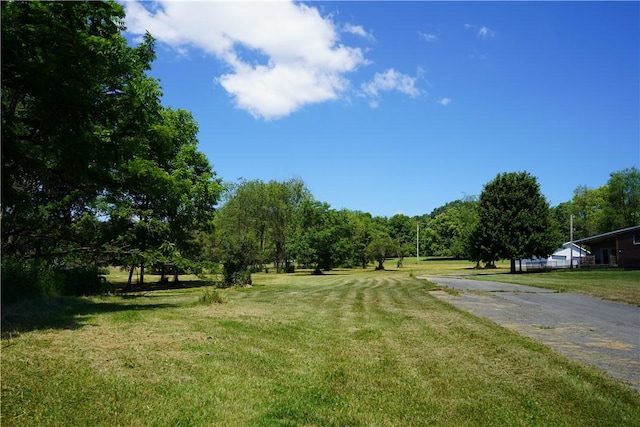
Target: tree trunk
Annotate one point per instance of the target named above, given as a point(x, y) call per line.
point(279, 258)
point(513, 265)
point(133, 267)
point(163, 273)
point(141, 274)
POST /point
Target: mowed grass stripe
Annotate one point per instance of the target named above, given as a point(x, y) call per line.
point(339, 349)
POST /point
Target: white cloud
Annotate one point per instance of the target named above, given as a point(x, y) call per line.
point(358, 30)
point(303, 63)
point(444, 101)
point(486, 32)
point(390, 80)
point(427, 37)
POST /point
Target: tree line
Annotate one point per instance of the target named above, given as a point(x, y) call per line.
point(275, 223)
point(96, 172)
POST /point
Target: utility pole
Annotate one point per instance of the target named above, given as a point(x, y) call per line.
point(571, 241)
point(418, 242)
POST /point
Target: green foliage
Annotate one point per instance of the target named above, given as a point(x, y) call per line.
point(381, 248)
point(403, 232)
point(561, 218)
point(587, 206)
point(165, 194)
point(94, 170)
point(514, 220)
point(234, 275)
point(33, 279)
point(236, 262)
point(211, 296)
point(261, 216)
point(450, 229)
point(362, 232)
point(323, 237)
point(623, 200)
point(73, 94)
point(24, 280)
point(607, 208)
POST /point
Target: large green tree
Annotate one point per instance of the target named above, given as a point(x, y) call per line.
point(259, 217)
point(324, 237)
point(75, 98)
point(282, 201)
point(362, 234)
point(403, 232)
point(239, 234)
point(315, 236)
point(165, 194)
point(94, 169)
point(381, 247)
point(514, 220)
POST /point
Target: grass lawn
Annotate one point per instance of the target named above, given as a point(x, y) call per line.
point(350, 348)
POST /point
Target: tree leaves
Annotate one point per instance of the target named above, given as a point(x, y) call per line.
point(67, 79)
point(92, 162)
point(514, 220)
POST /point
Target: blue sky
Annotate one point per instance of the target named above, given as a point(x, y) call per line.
point(401, 107)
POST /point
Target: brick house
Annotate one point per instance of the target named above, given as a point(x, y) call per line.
point(619, 248)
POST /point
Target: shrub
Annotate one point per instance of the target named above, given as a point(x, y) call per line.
point(234, 275)
point(236, 270)
point(211, 296)
point(29, 279)
point(24, 280)
point(80, 281)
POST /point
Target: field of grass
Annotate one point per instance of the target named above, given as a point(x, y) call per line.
point(350, 348)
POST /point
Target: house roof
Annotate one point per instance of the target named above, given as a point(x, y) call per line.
point(566, 250)
point(608, 235)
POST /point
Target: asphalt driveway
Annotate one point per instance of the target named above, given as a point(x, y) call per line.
point(586, 329)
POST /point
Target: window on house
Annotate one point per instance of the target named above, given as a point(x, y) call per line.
point(636, 239)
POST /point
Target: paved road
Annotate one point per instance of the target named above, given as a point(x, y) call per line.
point(585, 329)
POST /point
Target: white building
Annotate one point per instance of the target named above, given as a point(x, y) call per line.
point(559, 259)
